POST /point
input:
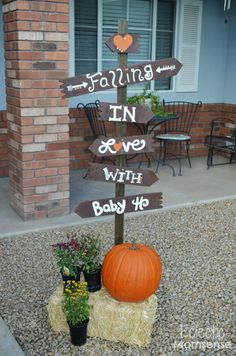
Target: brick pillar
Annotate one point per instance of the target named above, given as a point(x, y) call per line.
point(36, 53)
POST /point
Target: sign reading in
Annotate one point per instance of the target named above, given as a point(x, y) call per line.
point(119, 205)
point(122, 145)
point(119, 77)
point(116, 174)
point(125, 113)
point(123, 43)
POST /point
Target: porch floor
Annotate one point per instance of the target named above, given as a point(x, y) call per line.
point(195, 186)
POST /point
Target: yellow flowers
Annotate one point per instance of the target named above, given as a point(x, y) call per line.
point(75, 301)
point(75, 290)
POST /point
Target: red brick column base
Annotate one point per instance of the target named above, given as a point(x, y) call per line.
point(36, 51)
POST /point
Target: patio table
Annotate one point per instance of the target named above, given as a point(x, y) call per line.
point(148, 129)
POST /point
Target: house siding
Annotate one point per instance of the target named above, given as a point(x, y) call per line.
point(230, 77)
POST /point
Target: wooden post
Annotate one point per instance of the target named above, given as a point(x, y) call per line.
point(121, 131)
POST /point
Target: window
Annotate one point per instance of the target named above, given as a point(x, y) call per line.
point(97, 20)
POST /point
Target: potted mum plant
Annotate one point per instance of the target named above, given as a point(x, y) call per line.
point(90, 258)
point(68, 259)
point(76, 309)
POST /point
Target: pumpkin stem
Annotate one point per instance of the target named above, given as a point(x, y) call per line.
point(133, 246)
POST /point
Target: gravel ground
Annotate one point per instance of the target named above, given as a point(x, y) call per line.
point(198, 288)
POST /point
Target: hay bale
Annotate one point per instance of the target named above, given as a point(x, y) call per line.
point(130, 323)
point(56, 315)
point(109, 319)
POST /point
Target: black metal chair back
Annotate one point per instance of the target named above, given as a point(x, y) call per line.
point(92, 113)
point(186, 112)
point(222, 139)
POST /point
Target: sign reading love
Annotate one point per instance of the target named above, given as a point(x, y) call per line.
point(126, 43)
point(122, 145)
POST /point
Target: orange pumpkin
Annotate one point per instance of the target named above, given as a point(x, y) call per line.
point(131, 272)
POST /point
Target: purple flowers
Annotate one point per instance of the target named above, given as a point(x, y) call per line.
point(72, 245)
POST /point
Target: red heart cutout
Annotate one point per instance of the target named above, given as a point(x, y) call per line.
point(118, 146)
point(122, 43)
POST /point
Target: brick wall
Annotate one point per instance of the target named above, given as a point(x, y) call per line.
point(4, 160)
point(81, 135)
point(36, 53)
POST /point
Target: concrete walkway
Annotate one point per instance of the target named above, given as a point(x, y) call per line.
point(8, 344)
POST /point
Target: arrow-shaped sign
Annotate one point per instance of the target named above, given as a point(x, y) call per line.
point(116, 174)
point(119, 77)
point(120, 205)
point(122, 145)
point(125, 113)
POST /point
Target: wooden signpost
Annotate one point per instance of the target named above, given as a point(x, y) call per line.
point(119, 205)
point(122, 145)
point(140, 114)
point(116, 174)
point(120, 77)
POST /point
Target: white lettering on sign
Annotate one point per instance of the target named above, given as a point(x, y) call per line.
point(118, 207)
point(118, 75)
point(140, 203)
point(122, 176)
point(140, 78)
point(112, 147)
point(93, 80)
point(124, 112)
point(148, 72)
point(109, 207)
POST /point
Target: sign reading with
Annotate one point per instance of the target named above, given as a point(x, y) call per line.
point(125, 113)
point(116, 174)
point(119, 77)
point(123, 43)
point(119, 205)
point(122, 145)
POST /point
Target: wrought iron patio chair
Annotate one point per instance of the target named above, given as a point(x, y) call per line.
point(177, 131)
point(97, 126)
point(222, 140)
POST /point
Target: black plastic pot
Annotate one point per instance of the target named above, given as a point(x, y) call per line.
point(72, 278)
point(78, 333)
point(67, 278)
point(93, 279)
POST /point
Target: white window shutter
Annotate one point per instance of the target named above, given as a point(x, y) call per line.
point(190, 22)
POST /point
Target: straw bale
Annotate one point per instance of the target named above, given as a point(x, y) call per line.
point(109, 319)
point(130, 323)
point(56, 315)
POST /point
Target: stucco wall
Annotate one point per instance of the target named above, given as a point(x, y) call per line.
point(230, 77)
